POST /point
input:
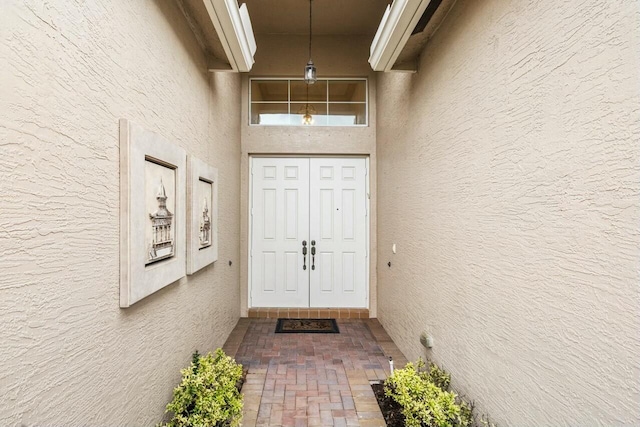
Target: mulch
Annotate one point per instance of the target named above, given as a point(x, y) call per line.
point(242, 379)
point(391, 410)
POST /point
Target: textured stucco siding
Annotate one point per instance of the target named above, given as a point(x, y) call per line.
point(70, 70)
point(509, 178)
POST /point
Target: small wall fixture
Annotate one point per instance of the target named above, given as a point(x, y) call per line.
point(426, 340)
point(310, 75)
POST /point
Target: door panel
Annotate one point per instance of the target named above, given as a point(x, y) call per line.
point(326, 215)
point(338, 221)
point(280, 222)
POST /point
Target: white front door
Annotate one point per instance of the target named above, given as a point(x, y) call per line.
point(316, 206)
point(338, 225)
point(280, 223)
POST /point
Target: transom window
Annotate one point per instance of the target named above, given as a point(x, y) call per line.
point(291, 102)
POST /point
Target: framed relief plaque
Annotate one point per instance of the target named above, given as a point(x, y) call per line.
point(202, 221)
point(152, 213)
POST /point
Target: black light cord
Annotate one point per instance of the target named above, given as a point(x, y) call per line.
point(310, 26)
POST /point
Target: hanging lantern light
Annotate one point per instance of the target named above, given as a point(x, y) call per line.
point(310, 73)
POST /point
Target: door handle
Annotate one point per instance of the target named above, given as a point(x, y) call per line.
point(313, 254)
point(304, 253)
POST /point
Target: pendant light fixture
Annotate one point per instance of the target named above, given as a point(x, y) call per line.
point(310, 69)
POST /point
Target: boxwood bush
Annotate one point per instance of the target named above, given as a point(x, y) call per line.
point(424, 397)
point(208, 394)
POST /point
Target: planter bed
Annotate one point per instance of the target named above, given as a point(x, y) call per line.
point(391, 410)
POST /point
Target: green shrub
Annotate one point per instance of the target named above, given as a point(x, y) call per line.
point(207, 395)
point(424, 402)
point(486, 422)
point(434, 374)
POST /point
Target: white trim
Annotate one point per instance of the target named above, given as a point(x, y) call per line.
point(367, 190)
point(250, 233)
point(394, 30)
point(233, 25)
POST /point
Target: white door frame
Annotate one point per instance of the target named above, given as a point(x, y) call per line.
point(368, 210)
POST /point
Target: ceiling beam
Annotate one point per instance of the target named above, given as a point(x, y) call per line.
point(193, 25)
point(396, 26)
point(213, 63)
point(233, 25)
point(410, 66)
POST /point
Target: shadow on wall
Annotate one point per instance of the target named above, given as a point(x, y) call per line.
point(176, 20)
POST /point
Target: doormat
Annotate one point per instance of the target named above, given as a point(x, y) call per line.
point(307, 326)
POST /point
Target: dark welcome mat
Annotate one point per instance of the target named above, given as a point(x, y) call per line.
point(307, 326)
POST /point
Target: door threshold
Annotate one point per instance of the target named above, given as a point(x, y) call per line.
point(308, 313)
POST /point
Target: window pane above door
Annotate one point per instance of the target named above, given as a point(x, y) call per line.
point(270, 114)
point(269, 90)
point(329, 97)
point(317, 111)
point(317, 91)
point(347, 114)
point(347, 91)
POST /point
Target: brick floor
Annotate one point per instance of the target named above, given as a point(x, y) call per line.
point(312, 379)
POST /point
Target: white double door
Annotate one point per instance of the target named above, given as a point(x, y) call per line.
point(309, 221)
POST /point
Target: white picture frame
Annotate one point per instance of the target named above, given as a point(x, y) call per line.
point(152, 213)
point(202, 221)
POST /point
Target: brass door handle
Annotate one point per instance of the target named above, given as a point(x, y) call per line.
point(313, 254)
point(304, 253)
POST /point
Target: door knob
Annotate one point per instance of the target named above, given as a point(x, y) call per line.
point(304, 253)
point(313, 254)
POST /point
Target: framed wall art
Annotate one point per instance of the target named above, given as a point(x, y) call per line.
point(202, 221)
point(152, 213)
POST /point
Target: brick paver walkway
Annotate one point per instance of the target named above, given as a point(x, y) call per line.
point(312, 379)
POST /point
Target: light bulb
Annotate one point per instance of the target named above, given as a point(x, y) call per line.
point(307, 119)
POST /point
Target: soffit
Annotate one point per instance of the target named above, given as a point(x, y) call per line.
point(342, 18)
point(330, 17)
point(200, 23)
point(412, 49)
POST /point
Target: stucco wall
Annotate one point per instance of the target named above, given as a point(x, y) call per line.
point(286, 56)
point(69, 355)
point(509, 178)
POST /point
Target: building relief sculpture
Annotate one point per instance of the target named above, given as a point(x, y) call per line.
point(205, 226)
point(153, 220)
point(202, 226)
point(162, 245)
